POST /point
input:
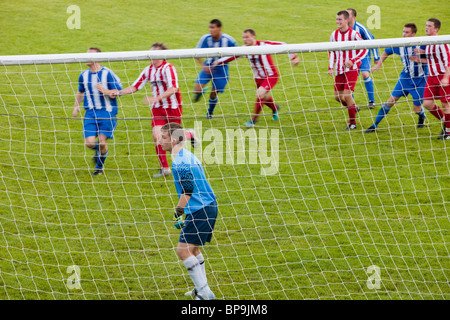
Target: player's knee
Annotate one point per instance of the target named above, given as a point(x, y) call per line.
point(89, 144)
point(183, 252)
point(261, 93)
point(428, 104)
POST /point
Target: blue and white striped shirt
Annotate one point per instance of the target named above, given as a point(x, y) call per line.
point(207, 41)
point(411, 69)
point(92, 97)
point(366, 35)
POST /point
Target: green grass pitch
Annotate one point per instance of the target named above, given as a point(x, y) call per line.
point(340, 202)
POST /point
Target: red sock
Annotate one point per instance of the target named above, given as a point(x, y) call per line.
point(188, 135)
point(352, 114)
point(258, 107)
point(269, 102)
point(447, 122)
point(437, 112)
point(162, 157)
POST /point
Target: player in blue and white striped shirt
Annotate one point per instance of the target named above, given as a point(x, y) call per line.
point(101, 110)
point(412, 79)
point(218, 75)
point(365, 63)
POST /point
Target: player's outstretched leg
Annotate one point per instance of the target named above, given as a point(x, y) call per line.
point(422, 117)
point(368, 82)
point(446, 131)
point(194, 262)
point(213, 99)
point(199, 91)
point(384, 110)
point(164, 171)
point(352, 110)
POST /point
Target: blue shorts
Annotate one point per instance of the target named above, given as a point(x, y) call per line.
point(413, 86)
point(199, 225)
point(96, 123)
point(365, 63)
point(218, 77)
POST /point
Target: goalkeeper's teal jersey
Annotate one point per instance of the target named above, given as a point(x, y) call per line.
point(190, 179)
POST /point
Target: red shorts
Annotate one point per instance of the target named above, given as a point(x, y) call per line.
point(161, 116)
point(267, 83)
point(346, 81)
point(435, 91)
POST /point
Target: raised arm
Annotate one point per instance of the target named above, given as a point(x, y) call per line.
point(377, 66)
point(113, 93)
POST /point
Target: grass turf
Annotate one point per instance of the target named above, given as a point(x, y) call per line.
point(340, 202)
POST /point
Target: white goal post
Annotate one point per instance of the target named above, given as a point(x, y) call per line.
point(219, 52)
point(307, 209)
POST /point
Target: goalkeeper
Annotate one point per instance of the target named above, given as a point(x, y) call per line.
point(197, 201)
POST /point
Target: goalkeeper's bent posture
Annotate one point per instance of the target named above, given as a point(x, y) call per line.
point(197, 201)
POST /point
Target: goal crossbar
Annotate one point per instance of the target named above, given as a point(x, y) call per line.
point(218, 52)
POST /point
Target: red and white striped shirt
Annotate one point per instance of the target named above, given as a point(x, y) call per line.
point(161, 79)
point(438, 57)
point(262, 65)
point(338, 58)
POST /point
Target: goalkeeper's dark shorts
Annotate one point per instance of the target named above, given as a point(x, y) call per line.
point(199, 225)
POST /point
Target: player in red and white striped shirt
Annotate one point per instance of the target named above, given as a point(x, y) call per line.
point(437, 87)
point(265, 74)
point(346, 65)
point(165, 101)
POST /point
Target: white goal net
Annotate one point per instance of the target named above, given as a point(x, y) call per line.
point(307, 209)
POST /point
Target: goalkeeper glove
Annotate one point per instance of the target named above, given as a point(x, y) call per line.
point(178, 221)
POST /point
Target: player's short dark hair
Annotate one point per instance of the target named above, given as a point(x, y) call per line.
point(217, 22)
point(95, 49)
point(436, 22)
point(160, 45)
point(353, 11)
point(251, 31)
point(412, 26)
point(175, 131)
point(343, 13)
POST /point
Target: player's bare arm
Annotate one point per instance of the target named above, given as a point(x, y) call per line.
point(295, 62)
point(349, 63)
point(115, 93)
point(151, 100)
point(418, 59)
point(377, 66)
point(446, 78)
point(78, 98)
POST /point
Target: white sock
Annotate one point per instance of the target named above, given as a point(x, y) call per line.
point(201, 260)
point(194, 270)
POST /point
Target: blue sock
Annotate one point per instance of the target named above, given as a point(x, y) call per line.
point(384, 110)
point(101, 160)
point(369, 88)
point(212, 105)
point(421, 113)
